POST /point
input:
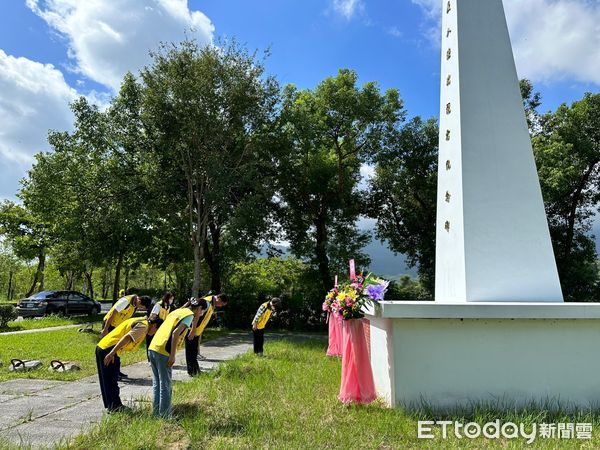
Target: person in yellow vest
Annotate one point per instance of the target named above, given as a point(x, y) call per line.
point(124, 338)
point(162, 353)
point(122, 310)
point(207, 306)
point(260, 321)
point(159, 313)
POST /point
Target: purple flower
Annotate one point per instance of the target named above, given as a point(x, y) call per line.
point(376, 291)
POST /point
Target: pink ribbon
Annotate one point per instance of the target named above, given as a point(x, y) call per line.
point(352, 270)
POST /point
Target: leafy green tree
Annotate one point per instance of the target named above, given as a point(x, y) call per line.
point(29, 236)
point(531, 102)
point(567, 153)
point(10, 266)
point(328, 134)
point(91, 188)
point(288, 278)
point(209, 112)
point(403, 196)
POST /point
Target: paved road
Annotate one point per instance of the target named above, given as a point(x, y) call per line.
point(44, 412)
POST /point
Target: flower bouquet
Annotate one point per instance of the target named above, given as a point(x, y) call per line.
point(348, 299)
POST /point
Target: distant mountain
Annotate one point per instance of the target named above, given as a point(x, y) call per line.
point(383, 261)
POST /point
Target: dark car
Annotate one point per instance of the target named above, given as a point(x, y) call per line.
point(57, 302)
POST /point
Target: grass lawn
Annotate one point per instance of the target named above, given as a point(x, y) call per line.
point(65, 345)
point(51, 321)
point(287, 400)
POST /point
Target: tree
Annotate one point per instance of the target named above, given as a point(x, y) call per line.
point(29, 238)
point(567, 153)
point(403, 196)
point(328, 134)
point(531, 102)
point(91, 188)
point(207, 111)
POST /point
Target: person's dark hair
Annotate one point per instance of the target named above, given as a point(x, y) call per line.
point(275, 302)
point(130, 291)
point(224, 298)
point(167, 295)
point(146, 301)
point(194, 303)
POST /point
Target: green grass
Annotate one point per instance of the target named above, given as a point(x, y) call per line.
point(287, 400)
point(51, 321)
point(65, 345)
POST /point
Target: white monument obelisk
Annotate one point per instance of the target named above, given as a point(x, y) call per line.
point(498, 331)
point(492, 238)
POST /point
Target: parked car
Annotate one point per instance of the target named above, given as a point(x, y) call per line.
point(57, 302)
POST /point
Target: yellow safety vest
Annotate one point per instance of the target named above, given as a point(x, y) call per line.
point(209, 312)
point(264, 318)
point(120, 317)
point(163, 313)
point(161, 342)
point(113, 338)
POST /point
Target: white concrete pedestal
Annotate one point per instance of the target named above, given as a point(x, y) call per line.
point(448, 356)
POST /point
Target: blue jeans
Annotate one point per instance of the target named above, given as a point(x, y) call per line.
point(162, 385)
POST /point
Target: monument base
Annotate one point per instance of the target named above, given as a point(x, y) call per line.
point(503, 355)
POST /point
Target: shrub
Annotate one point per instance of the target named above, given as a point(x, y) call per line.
point(288, 278)
point(7, 313)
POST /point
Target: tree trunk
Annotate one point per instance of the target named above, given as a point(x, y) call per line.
point(212, 257)
point(39, 273)
point(197, 268)
point(126, 277)
point(42, 268)
point(89, 276)
point(575, 202)
point(105, 282)
point(10, 287)
point(321, 250)
point(117, 281)
point(198, 241)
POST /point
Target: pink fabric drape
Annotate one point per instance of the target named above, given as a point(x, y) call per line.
point(357, 376)
point(335, 336)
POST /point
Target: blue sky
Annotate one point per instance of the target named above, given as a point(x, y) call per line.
point(54, 50)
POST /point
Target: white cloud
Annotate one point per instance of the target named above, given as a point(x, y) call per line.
point(552, 39)
point(394, 31)
point(348, 8)
point(108, 38)
point(34, 98)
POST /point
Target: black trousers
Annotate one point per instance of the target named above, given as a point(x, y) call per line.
point(108, 376)
point(259, 340)
point(191, 355)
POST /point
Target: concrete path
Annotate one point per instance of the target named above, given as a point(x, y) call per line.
point(45, 413)
point(39, 330)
